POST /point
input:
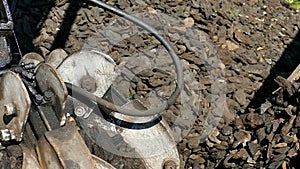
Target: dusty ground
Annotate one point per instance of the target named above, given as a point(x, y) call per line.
point(246, 44)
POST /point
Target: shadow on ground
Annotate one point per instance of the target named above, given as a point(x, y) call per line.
point(26, 33)
point(287, 63)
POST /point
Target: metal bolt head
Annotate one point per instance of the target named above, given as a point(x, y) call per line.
point(88, 83)
point(79, 111)
point(48, 95)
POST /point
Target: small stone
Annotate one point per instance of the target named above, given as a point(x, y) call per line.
point(253, 148)
point(226, 130)
point(279, 145)
point(220, 147)
point(188, 22)
point(194, 141)
point(282, 150)
point(14, 151)
point(242, 136)
point(287, 139)
point(213, 136)
point(292, 153)
point(260, 134)
point(239, 36)
point(264, 107)
point(218, 155)
point(297, 121)
point(197, 158)
point(286, 128)
point(255, 120)
point(242, 154)
point(240, 97)
point(232, 46)
point(208, 143)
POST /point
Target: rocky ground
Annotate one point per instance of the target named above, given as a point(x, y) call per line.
point(235, 55)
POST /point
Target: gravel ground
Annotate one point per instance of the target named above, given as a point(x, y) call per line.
point(235, 55)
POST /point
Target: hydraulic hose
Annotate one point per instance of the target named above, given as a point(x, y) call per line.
point(164, 42)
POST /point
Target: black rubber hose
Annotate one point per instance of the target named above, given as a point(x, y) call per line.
point(165, 43)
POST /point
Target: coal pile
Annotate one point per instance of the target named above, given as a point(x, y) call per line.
point(237, 57)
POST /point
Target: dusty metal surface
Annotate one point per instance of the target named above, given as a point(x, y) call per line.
point(5, 55)
point(14, 107)
point(155, 145)
point(29, 159)
point(56, 57)
point(90, 69)
point(6, 22)
point(70, 149)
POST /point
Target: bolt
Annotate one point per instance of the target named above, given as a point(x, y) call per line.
point(38, 99)
point(169, 164)
point(48, 95)
point(9, 109)
point(79, 111)
point(88, 83)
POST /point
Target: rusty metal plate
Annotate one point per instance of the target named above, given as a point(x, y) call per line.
point(50, 82)
point(69, 147)
point(48, 158)
point(32, 58)
point(56, 57)
point(14, 107)
point(29, 159)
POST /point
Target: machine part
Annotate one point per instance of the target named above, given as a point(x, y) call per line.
point(56, 57)
point(81, 110)
point(29, 159)
point(164, 42)
point(14, 107)
point(32, 58)
point(112, 95)
point(64, 148)
point(8, 42)
point(155, 144)
point(48, 80)
point(90, 69)
point(82, 94)
point(149, 136)
point(5, 55)
point(6, 22)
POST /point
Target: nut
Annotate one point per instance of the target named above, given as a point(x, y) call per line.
point(88, 83)
point(79, 111)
